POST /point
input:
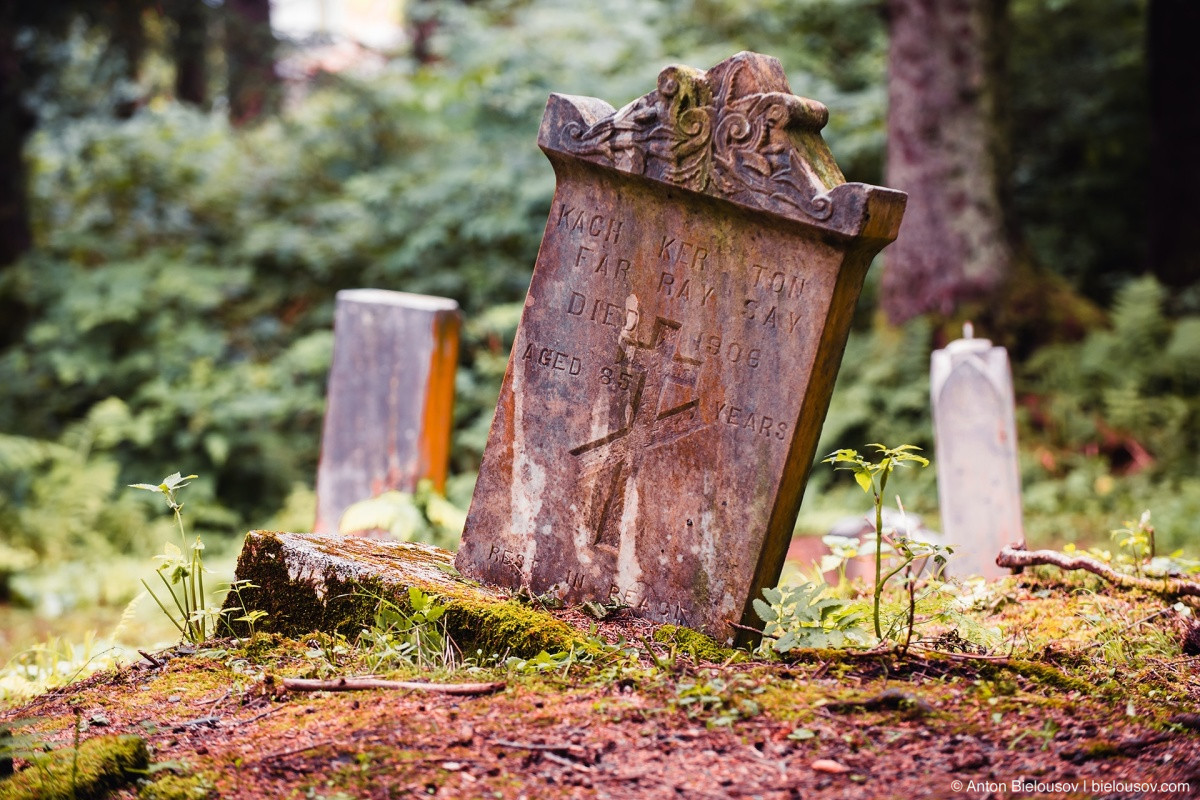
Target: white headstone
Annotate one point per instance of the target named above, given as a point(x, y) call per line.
point(979, 481)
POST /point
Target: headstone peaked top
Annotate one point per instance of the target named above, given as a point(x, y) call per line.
point(687, 314)
point(975, 432)
point(390, 398)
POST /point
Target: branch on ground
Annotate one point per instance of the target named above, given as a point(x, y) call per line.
point(1016, 557)
point(359, 684)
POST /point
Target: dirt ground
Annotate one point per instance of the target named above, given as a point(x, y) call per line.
point(1092, 716)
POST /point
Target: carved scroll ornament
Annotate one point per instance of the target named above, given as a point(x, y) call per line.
point(731, 132)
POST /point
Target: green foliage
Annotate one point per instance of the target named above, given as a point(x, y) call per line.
point(719, 698)
point(57, 503)
point(1118, 417)
point(1077, 160)
point(182, 575)
point(1141, 378)
point(1136, 542)
point(188, 268)
point(872, 478)
point(57, 644)
point(408, 636)
point(399, 637)
point(249, 617)
point(616, 658)
point(421, 516)
point(801, 616)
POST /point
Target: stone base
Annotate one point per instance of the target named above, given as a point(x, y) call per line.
point(310, 582)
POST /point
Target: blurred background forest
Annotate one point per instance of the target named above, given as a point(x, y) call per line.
point(183, 189)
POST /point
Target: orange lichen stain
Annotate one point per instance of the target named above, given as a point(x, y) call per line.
point(437, 417)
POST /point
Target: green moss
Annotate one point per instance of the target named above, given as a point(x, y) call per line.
point(294, 607)
point(102, 764)
point(1093, 750)
point(262, 645)
point(506, 627)
point(1036, 670)
point(1101, 749)
point(178, 787)
point(788, 699)
point(696, 645)
point(818, 655)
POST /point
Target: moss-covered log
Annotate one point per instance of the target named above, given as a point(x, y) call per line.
point(314, 582)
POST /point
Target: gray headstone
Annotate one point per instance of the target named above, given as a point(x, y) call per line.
point(390, 398)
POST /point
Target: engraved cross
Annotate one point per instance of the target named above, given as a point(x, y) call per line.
point(656, 415)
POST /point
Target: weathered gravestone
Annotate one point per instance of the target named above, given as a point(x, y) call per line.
point(390, 397)
point(687, 314)
point(975, 432)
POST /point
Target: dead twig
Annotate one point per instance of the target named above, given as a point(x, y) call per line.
point(156, 663)
point(218, 699)
point(965, 656)
point(257, 717)
point(1016, 557)
point(572, 749)
point(210, 722)
point(359, 684)
point(821, 670)
point(296, 750)
point(566, 762)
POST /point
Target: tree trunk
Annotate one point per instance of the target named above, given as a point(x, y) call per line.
point(1174, 204)
point(422, 25)
point(15, 124)
point(191, 43)
point(128, 37)
point(946, 148)
point(250, 53)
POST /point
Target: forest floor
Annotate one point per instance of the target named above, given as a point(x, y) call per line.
point(1091, 696)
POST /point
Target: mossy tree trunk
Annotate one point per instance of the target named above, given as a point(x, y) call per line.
point(1174, 202)
point(15, 125)
point(947, 149)
point(191, 43)
point(250, 56)
point(127, 36)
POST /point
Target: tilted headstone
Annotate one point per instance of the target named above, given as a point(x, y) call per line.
point(975, 432)
point(390, 398)
point(686, 318)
